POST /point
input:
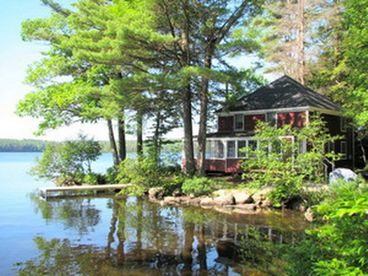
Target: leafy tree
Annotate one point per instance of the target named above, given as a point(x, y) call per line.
point(68, 162)
point(69, 88)
point(279, 162)
point(356, 54)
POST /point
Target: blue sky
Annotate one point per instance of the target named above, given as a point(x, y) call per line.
point(15, 56)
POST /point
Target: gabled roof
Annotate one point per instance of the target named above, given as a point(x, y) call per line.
point(284, 92)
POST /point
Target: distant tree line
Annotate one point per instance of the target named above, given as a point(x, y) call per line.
point(32, 145)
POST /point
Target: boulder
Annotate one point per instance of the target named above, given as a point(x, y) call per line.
point(207, 201)
point(171, 200)
point(156, 193)
point(342, 174)
point(266, 203)
point(242, 197)
point(224, 200)
point(194, 201)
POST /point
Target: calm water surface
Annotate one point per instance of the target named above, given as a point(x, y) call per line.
point(103, 236)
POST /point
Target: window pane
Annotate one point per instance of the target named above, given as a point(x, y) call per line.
point(209, 152)
point(239, 121)
point(231, 149)
point(219, 149)
point(271, 118)
point(241, 147)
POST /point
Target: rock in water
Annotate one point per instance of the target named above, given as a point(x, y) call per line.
point(156, 193)
point(343, 174)
point(242, 197)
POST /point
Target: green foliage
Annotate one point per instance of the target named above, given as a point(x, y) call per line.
point(279, 162)
point(197, 186)
point(68, 162)
point(143, 172)
point(94, 178)
point(338, 243)
point(111, 175)
point(356, 55)
point(173, 183)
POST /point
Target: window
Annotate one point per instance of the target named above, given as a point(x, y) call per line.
point(342, 124)
point(239, 122)
point(271, 118)
point(241, 147)
point(214, 149)
point(231, 153)
point(344, 149)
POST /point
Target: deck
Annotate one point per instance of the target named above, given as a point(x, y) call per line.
point(75, 190)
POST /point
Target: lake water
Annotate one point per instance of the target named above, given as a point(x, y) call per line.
point(104, 236)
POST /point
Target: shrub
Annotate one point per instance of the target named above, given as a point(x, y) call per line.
point(338, 244)
point(173, 183)
point(278, 161)
point(197, 186)
point(111, 175)
point(67, 162)
point(94, 179)
point(141, 171)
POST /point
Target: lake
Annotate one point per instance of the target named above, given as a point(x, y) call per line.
point(105, 236)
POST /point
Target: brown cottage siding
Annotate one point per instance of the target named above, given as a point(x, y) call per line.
point(250, 121)
point(215, 165)
point(295, 119)
point(225, 123)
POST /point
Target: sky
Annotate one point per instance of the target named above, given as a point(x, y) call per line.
point(15, 56)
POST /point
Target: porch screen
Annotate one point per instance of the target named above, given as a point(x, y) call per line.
point(231, 153)
point(214, 149)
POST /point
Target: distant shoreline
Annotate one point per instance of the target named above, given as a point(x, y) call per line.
point(32, 145)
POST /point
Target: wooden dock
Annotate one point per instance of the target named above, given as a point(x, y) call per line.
point(75, 190)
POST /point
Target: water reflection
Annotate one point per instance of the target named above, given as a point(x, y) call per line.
point(147, 239)
point(78, 214)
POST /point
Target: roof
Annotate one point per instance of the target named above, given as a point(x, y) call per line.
point(284, 92)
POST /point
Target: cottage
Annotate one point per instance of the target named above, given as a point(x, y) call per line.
point(284, 101)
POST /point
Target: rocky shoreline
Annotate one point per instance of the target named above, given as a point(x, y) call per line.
point(230, 201)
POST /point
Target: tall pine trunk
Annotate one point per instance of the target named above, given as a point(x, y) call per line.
point(139, 119)
point(187, 103)
point(156, 137)
point(122, 141)
point(204, 114)
point(188, 131)
point(114, 149)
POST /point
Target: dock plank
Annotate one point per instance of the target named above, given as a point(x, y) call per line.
point(46, 191)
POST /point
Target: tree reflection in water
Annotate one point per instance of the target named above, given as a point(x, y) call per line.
point(147, 239)
point(79, 214)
